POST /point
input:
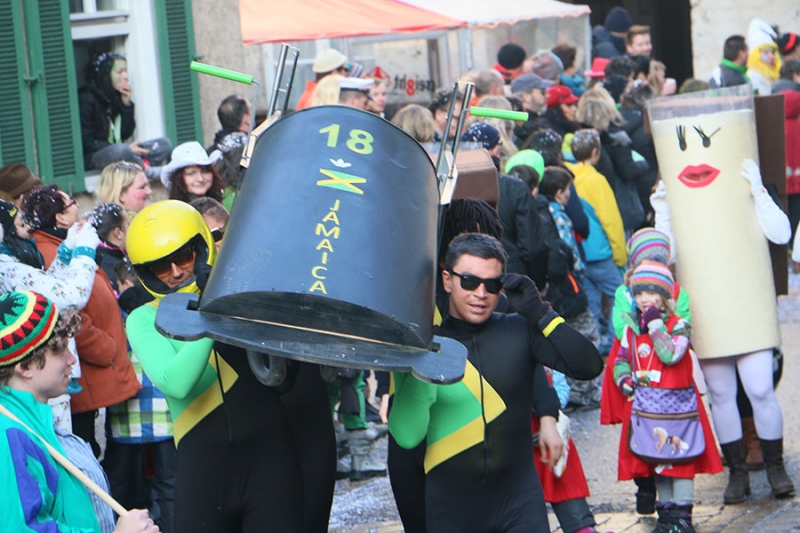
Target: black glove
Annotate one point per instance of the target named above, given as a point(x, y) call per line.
point(202, 271)
point(524, 298)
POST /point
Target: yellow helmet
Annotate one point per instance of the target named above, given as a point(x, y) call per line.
point(162, 228)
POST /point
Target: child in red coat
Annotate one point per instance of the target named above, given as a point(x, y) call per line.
point(654, 353)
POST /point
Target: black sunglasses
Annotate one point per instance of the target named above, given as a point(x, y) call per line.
point(182, 258)
point(217, 234)
point(470, 282)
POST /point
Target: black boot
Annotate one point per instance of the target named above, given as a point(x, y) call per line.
point(782, 486)
point(663, 523)
point(738, 478)
point(646, 495)
point(681, 519)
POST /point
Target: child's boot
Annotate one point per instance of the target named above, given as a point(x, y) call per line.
point(646, 495)
point(779, 480)
point(664, 511)
point(681, 520)
point(738, 478)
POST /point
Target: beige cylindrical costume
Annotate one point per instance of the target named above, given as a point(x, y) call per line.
point(702, 140)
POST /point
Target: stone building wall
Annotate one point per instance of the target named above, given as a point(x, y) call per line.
point(713, 21)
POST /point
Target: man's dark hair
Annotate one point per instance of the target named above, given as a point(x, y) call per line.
point(621, 65)
point(548, 143)
point(468, 215)
point(636, 29)
point(733, 45)
point(231, 111)
point(476, 244)
point(526, 174)
point(566, 53)
point(214, 208)
point(441, 100)
point(790, 68)
point(554, 179)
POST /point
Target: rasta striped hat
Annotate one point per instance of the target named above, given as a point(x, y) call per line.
point(27, 320)
point(652, 276)
point(648, 244)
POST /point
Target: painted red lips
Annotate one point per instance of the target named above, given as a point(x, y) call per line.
point(698, 176)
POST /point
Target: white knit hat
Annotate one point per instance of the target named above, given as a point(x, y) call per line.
point(760, 33)
point(187, 155)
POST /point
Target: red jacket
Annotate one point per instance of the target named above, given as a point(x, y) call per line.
point(792, 114)
point(107, 376)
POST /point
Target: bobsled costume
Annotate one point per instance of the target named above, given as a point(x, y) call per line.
point(240, 455)
point(478, 430)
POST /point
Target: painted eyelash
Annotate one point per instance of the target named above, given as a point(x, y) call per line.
point(706, 138)
point(681, 131)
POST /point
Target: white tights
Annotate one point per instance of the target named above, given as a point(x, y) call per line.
point(755, 372)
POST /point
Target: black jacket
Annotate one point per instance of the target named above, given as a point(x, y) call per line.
point(728, 77)
point(642, 143)
point(535, 123)
point(523, 232)
point(106, 257)
point(559, 122)
point(96, 121)
point(606, 45)
point(623, 174)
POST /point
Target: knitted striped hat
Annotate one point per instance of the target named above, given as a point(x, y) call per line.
point(648, 244)
point(27, 320)
point(652, 276)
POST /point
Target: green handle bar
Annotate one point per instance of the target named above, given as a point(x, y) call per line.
point(519, 116)
point(221, 73)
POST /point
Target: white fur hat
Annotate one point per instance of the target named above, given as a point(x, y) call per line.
point(186, 155)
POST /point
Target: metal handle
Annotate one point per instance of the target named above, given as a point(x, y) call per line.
point(276, 88)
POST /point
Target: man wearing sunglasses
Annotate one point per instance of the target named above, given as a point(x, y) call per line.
point(478, 462)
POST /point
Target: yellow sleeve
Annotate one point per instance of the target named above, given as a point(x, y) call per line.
point(605, 206)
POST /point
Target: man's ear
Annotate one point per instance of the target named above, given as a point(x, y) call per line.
point(447, 281)
point(23, 370)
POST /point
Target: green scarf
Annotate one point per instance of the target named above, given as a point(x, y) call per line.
point(741, 69)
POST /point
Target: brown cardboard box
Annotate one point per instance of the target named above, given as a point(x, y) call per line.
point(477, 177)
point(772, 160)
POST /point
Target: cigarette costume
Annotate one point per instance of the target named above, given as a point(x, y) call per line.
point(707, 148)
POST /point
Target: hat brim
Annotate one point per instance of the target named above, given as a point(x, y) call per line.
point(174, 166)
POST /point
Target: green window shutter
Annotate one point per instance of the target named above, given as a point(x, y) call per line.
point(55, 96)
point(16, 130)
point(179, 84)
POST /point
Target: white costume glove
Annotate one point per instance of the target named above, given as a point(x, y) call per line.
point(752, 173)
point(774, 222)
point(72, 234)
point(87, 237)
point(663, 218)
